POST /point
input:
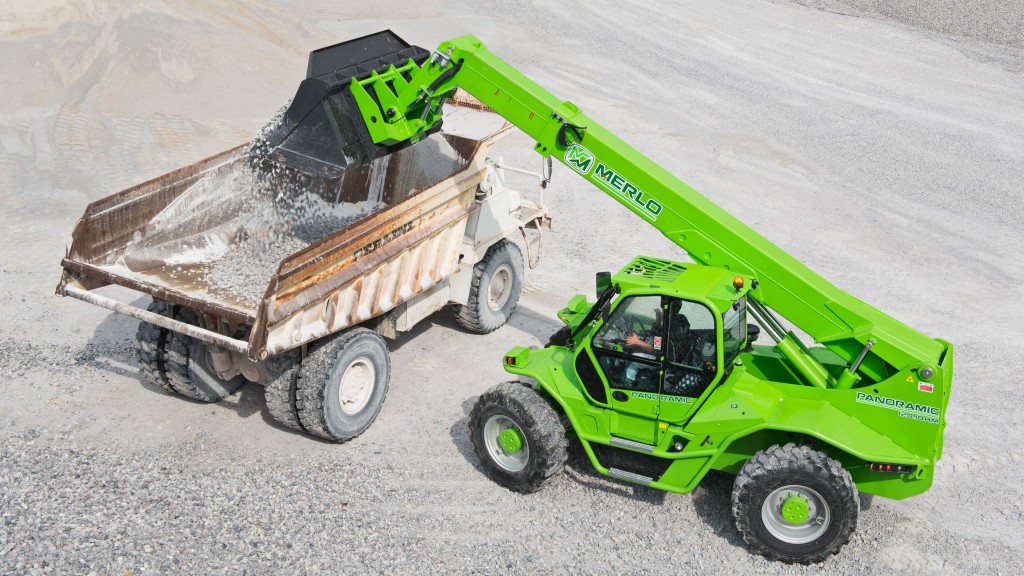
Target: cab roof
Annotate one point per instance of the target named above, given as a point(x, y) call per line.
point(683, 280)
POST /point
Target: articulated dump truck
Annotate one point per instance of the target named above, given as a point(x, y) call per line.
point(260, 272)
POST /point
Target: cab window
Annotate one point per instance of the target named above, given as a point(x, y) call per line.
point(630, 344)
point(691, 361)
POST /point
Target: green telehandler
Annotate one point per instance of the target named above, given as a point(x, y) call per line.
point(660, 379)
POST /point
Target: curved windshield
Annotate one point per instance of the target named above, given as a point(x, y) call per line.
point(629, 344)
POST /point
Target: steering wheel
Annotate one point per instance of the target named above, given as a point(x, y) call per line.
point(617, 331)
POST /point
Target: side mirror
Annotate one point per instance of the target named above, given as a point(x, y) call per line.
point(604, 282)
point(753, 331)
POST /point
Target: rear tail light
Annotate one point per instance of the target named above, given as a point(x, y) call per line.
point(891, 468)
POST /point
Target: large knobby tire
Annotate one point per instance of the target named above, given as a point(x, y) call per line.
point(150, 344)
point(795, 504)
point(494, 293)
point(518, 437)
point(342, 385)
point(560, 337)
point(187, 366)
point(282, 385)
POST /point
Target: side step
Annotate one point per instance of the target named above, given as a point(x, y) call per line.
point(631, 444)
point(630, 460)
point(630, 476)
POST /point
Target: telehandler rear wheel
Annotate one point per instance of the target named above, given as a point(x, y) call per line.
point(795, 504)
point(518, 437)
point(497, 283)
point(342, 384)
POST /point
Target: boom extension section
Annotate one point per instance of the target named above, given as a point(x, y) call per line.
point(400, 100)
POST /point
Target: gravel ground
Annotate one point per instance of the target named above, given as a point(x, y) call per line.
point(997, 21)
point(887, 157)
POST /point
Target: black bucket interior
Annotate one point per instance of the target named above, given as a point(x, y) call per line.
point(322, 131)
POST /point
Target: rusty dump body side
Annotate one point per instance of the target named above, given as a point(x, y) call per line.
point(408, 246)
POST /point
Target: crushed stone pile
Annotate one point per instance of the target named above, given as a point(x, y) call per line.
point(231, 229)
point(236, 224)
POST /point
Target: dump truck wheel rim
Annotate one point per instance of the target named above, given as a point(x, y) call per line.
point(356, 385)
point(499, 428)
point(500, 287)
point(795, 514)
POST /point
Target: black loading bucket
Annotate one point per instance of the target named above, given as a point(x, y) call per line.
point(322, 132)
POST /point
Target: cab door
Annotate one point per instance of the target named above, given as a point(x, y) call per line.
point(629, 353)
point(691, 358)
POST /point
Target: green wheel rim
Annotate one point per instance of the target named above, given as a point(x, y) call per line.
point(795, 514)
point(506, 444)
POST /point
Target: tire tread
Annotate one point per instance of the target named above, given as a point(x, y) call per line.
point(541, 423)
point(281, 388)
point(776, 459)
point(150, 343)
point(472, 316)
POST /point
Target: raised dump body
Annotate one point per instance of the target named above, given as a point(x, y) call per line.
point(253, 259)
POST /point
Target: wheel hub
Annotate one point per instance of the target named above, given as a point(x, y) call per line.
point(795, 509)
point(356, 386)
point(506, 444)
point(511, 440)
point(500, 287)
point(795, 514)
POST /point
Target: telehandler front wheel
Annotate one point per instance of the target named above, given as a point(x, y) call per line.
point(494, 293)
point(518, 437)
point(342, 384)
point(795, 504)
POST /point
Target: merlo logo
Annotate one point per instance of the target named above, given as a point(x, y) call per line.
point(579, 159)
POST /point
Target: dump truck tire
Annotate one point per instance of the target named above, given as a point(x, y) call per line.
point(150, 343)
point(281, 387)
point(187, 369)
point(494, 293)
point(342, 385)
point(518, 437)
point(795, 504)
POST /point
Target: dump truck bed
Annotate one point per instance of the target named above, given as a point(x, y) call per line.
point(283, 257)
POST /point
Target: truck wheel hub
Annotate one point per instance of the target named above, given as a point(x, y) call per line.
point(357, 384)
point(500, 287)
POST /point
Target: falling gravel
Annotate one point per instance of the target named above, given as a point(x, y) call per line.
point(229, 231)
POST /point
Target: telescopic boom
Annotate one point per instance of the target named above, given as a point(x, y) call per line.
point(399, 100)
